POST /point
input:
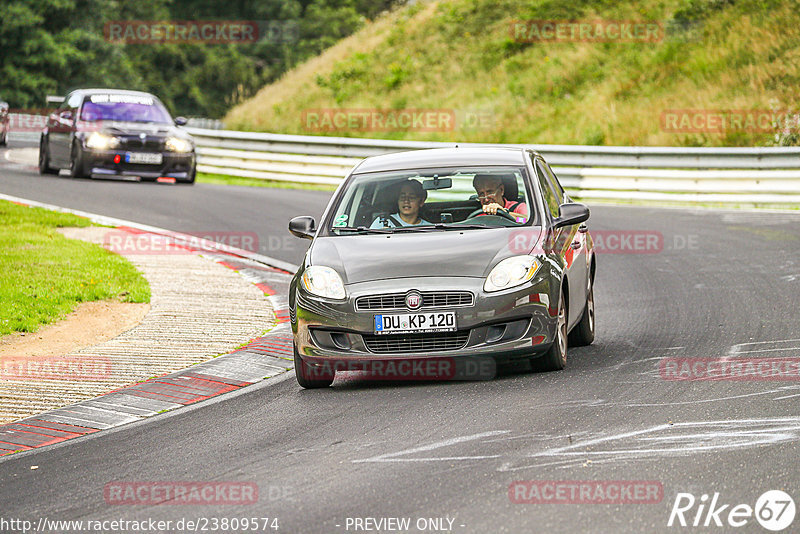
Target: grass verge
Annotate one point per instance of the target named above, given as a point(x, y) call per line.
point(221, 179)
point(466, 59)
point(44, 275)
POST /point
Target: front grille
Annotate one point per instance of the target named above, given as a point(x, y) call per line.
point(140, 167)
point(430, 299)
point(150, 144)
point(404, 343)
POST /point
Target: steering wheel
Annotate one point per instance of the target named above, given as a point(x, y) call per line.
point(502, 212)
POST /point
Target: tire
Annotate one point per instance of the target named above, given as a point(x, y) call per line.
point(4, 139)
point(76, 169)
point(308, 378)
point(555, 359)
point(44, 159)
point(583, 333)
point(192, 176)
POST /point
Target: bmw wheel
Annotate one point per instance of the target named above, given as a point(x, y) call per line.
point(44, 159)
point(76, 166)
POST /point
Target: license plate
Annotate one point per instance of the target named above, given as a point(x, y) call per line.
point(417, 323)
point(143, 157)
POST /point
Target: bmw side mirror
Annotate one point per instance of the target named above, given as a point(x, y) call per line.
point(304, 226)
point(571, 213)
point(181, 121)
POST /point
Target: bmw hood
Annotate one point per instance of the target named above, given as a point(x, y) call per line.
point(471, 253)
point(136, 128)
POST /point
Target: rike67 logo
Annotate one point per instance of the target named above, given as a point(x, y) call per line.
point(774, 510)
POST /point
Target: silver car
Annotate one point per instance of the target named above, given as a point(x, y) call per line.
point(443, 255)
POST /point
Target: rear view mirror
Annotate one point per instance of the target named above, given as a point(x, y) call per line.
point(571, 213)
point(437, 183)
point(304, 226)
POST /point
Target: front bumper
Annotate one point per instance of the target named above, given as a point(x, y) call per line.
point(505, 325)
point(100, 163)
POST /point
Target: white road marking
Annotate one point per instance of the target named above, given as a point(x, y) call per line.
point(743, 348)
point(679, 439)
point(393, 457)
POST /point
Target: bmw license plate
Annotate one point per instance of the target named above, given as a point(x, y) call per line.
point(416, 323)
point(143, 157)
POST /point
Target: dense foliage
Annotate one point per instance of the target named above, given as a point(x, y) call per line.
point(52, 46)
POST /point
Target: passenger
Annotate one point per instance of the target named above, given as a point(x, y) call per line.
point(491, 194)
point(409, 202)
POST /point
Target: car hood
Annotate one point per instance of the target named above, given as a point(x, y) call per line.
point(136, 128)
point(472, 253)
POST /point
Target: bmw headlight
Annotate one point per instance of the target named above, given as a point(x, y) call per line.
point(176, 144)
point(101, 141)
point(323, 282)
point(511, 272)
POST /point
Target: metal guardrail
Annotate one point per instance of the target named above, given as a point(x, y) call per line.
point(761, 175)
point(738, 175)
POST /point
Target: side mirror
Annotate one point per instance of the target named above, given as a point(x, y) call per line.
point(181, 121)
point(304, 226)
point(571, 213)
point(66, 115)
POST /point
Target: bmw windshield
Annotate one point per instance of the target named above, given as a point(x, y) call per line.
point(124, 108)
point(427, 200)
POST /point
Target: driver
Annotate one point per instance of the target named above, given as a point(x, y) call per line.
point(491, 193)
point(409, 202)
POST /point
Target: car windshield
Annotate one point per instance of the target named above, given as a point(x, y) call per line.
point(124, 108)
point(429, 200)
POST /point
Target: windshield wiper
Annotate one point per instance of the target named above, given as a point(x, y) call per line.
point(457, 226)
point(363, 229)
point(440, 226)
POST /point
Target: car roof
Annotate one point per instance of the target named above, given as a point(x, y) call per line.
point(97, 91)
point(443, 157)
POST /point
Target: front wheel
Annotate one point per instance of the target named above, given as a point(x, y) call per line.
point(44, 159)
point(192, 176)
point(583, 333)
point(555, 359)
point(76, 169)
point(309, 377)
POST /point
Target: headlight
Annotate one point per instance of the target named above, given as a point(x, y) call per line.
point(511, 272)
point(324, 282)
point(176, 144)
point(101, 141)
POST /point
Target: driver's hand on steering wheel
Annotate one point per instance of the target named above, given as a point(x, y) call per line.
point(492, 208)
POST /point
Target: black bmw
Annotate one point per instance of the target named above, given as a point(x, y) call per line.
point(108, 132)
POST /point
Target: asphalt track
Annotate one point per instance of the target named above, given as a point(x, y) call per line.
point(722, 284)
